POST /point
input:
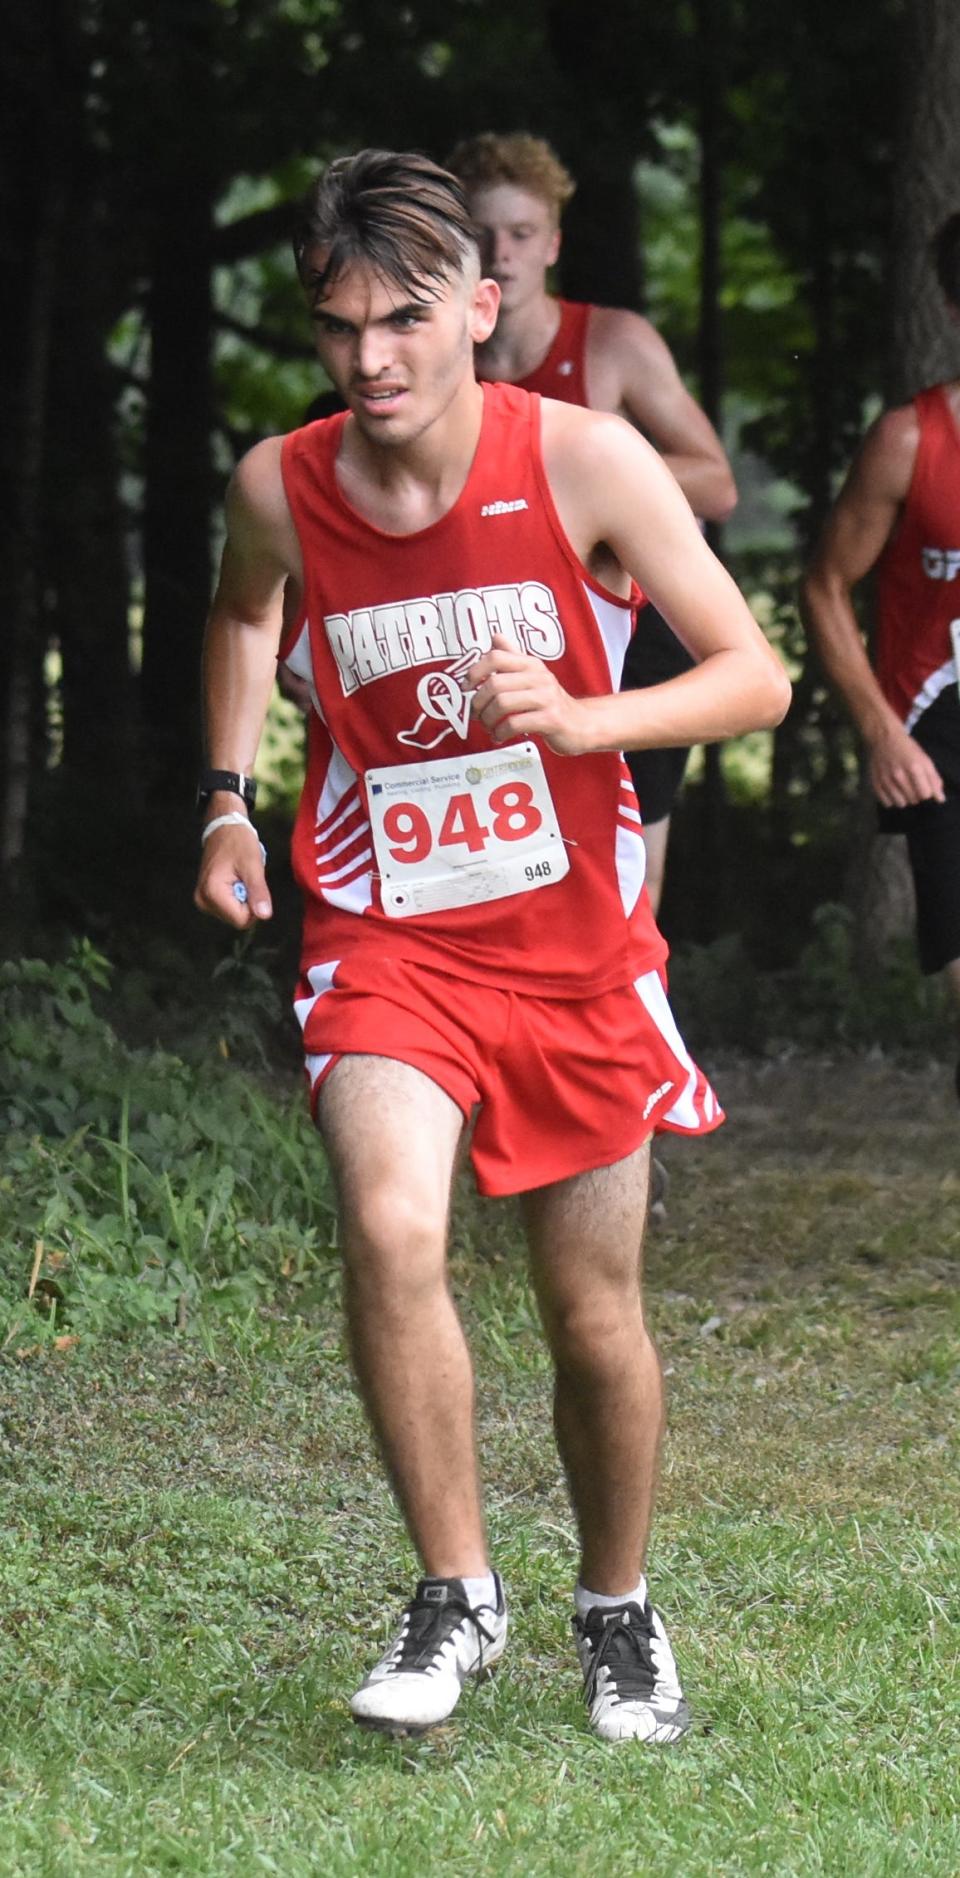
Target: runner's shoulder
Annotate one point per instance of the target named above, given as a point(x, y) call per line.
point(256, 502)
point(888, 452)
point(599, 440)
point(617, 332)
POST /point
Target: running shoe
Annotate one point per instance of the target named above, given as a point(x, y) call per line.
point(630, 1678)
point(441, 1641)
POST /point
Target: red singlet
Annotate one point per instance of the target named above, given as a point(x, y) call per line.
point(388, 626)
point(563, 373)
point(918, 593)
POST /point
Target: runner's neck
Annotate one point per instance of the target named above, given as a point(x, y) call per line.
point(521, 341)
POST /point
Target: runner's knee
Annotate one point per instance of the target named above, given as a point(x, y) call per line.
point(393, 1241)
point(588, 1332)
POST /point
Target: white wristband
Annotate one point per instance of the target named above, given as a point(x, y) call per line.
point(243, 821)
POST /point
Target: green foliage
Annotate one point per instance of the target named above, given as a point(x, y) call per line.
point(827, 998)
point(138, 1188)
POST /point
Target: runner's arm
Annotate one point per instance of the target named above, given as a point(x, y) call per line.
point(856, 532)
point(611, 488)
point(239, 669)
point(657, 401)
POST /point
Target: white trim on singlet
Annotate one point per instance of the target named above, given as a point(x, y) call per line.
point(614, 620)
point(630, 852)
point(936, 683)
point(351, 885)
point(299, 661)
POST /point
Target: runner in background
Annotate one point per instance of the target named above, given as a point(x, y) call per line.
point(899, 512)
point(608, 359)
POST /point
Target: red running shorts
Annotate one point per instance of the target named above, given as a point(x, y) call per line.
point(556, 1086)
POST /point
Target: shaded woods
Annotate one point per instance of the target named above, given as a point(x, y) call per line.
point(760, 178)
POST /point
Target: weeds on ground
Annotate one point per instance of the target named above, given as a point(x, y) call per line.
point(198, 1557)
point(136, 1187)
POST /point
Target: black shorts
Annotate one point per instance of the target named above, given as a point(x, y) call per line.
point(933, 844)
point(653, 655)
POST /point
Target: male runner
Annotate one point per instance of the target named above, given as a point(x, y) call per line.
point(604, 357)
point(476, 944)
point(899, 511)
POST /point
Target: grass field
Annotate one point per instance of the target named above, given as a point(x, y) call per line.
point(196, 1544)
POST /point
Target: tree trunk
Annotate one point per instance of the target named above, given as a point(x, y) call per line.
point(926, 339)
point(603, 135)
point(37, 110)
point(712, 872)
point(84, 529)
point(179, 481)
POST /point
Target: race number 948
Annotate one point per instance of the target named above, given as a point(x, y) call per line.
point(509, 813)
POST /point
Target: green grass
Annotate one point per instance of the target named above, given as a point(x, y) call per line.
point(195, 1542)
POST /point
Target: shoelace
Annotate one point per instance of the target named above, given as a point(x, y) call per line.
point(430, 1626)
point(623, 1645)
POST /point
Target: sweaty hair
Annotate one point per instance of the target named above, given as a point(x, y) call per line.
point(399, 214)
point(516, 157)
point(945, 248)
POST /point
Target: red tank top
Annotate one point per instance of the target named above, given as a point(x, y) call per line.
point(563, 373)
point(918, 591)
point(386, 620)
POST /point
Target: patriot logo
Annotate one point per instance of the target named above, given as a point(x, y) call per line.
point(443, 703)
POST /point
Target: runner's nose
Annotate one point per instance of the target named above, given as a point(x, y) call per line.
point(374, 352)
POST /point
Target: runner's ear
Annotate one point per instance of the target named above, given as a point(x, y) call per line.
point(484, 307)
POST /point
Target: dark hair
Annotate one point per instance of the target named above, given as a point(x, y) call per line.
point(399, 213)
point(945, 248)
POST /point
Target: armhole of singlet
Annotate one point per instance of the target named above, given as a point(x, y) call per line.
point(627, 601)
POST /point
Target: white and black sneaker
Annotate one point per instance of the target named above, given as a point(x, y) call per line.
point(441, 1641)
point(630, 1678)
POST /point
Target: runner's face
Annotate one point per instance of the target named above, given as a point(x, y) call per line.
point(399, 358)
point(520, 240)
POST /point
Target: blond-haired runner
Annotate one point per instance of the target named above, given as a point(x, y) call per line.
point(609, 359)
point(476, 945)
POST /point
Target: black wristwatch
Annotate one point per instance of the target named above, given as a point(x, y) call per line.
point(231, 780)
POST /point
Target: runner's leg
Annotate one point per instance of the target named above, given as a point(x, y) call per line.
point(655, 838)
point(392, 1136)
point(586, 1239)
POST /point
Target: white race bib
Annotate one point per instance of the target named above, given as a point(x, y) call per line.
point(460, 830)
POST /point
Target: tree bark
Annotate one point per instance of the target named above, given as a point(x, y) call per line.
point(713, 832)
point(36, 106)
point(179, 479)
point(603, 135)
point(926, 339)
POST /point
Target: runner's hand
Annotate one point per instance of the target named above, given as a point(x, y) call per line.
point(901, 773)
point(515, 695)
point(231, 861)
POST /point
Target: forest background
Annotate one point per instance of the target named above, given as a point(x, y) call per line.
point(762, 179)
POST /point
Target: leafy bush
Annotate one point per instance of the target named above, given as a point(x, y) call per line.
point(137, 1188)
point(826, 999)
